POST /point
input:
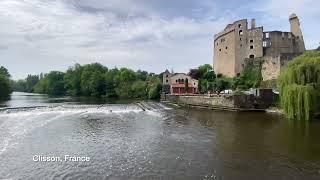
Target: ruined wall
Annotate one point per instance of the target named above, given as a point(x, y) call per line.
point(224, 54)
point(239, 102)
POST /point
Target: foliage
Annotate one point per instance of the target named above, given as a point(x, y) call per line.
point(5, 85)
point(92, 80)
point(299, 86)
point(51, 84)
point(72, 80)
point(186, 85)
point(250, 77)
point(221, 84)
point(95, 80)
point(4, 71)
point(5, 88)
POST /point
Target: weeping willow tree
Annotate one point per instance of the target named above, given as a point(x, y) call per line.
point(299, 86)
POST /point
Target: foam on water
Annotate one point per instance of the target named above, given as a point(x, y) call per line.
point(16, 123)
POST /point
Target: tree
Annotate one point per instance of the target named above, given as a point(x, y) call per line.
point(51, 84)
point(5, 88)
point(139, 89)
point(299, 86)
point(186, 85)
point(72, 80)
point(92, 80)
point(194, 73)
point(4, 72)
point(250, 77)
point(30, 82)
point(221, 84)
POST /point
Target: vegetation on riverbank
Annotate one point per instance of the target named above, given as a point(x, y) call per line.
point(94, 80)
point(299, 86)
point(5, 87)
point(209, 81)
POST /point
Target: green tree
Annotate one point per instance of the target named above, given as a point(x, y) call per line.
point(92, 80)
point(154, 87)
point(5, 88)
point(186, 85)
point(4, 71)
point(299, 86)
point(139, 89)
point(30, 82)
point(55, 83)
point(110, 84)
point(5, 85)
point(221, 84)
point(72, 80)
point(51, 84)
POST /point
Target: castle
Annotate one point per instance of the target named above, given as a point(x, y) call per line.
point(237, 45)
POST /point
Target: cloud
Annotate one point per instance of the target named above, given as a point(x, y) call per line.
point(44, 35)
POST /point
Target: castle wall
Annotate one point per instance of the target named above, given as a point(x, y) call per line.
point(224, 54)
point(236, 44)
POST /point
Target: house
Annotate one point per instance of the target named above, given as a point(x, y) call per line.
point(179, 83)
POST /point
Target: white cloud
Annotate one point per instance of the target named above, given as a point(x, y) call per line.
point(48, 35)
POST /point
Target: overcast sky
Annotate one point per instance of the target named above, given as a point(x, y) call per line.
point(43, 35)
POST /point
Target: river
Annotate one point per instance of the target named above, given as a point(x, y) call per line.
point(165, 142)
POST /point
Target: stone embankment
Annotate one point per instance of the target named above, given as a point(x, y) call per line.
point(223, 102)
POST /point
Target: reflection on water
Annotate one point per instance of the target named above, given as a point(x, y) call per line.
point(125, 142)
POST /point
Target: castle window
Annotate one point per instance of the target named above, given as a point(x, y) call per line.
point(226, 47)
point(239, 26)
point(264, 43)
point(267, 35)
point(240, 32)
point(240, 39)
point(167, 80)
point(219, 49)
point(240, 45)
point(217, 44)
point(167, 75)
point(251, 40)
point(222, 40)
point(176, 80)
point(251, 56)
point(251, 47)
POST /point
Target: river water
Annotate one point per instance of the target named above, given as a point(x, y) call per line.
point(165, 142)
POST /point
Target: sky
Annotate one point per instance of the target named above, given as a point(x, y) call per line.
point(153, 35)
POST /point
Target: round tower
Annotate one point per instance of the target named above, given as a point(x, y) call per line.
point(296, 31)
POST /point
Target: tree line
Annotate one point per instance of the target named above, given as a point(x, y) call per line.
point(93, 80)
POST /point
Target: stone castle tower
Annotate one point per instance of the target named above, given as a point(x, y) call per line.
point(296, 31)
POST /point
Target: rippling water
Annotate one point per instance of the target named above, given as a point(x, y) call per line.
point(124, 142)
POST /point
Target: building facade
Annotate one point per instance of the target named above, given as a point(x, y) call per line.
point(175, 83)
point(238, 44)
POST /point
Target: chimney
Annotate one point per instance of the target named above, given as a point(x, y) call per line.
point(253, 23)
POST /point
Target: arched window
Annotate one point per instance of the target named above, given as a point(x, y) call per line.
point(251, 56)
point(167, 80)
point(239, 26)
point(240, 32)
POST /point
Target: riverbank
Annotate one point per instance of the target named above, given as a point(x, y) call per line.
point(221, 102)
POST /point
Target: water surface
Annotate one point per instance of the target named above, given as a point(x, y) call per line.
point(165, 142)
